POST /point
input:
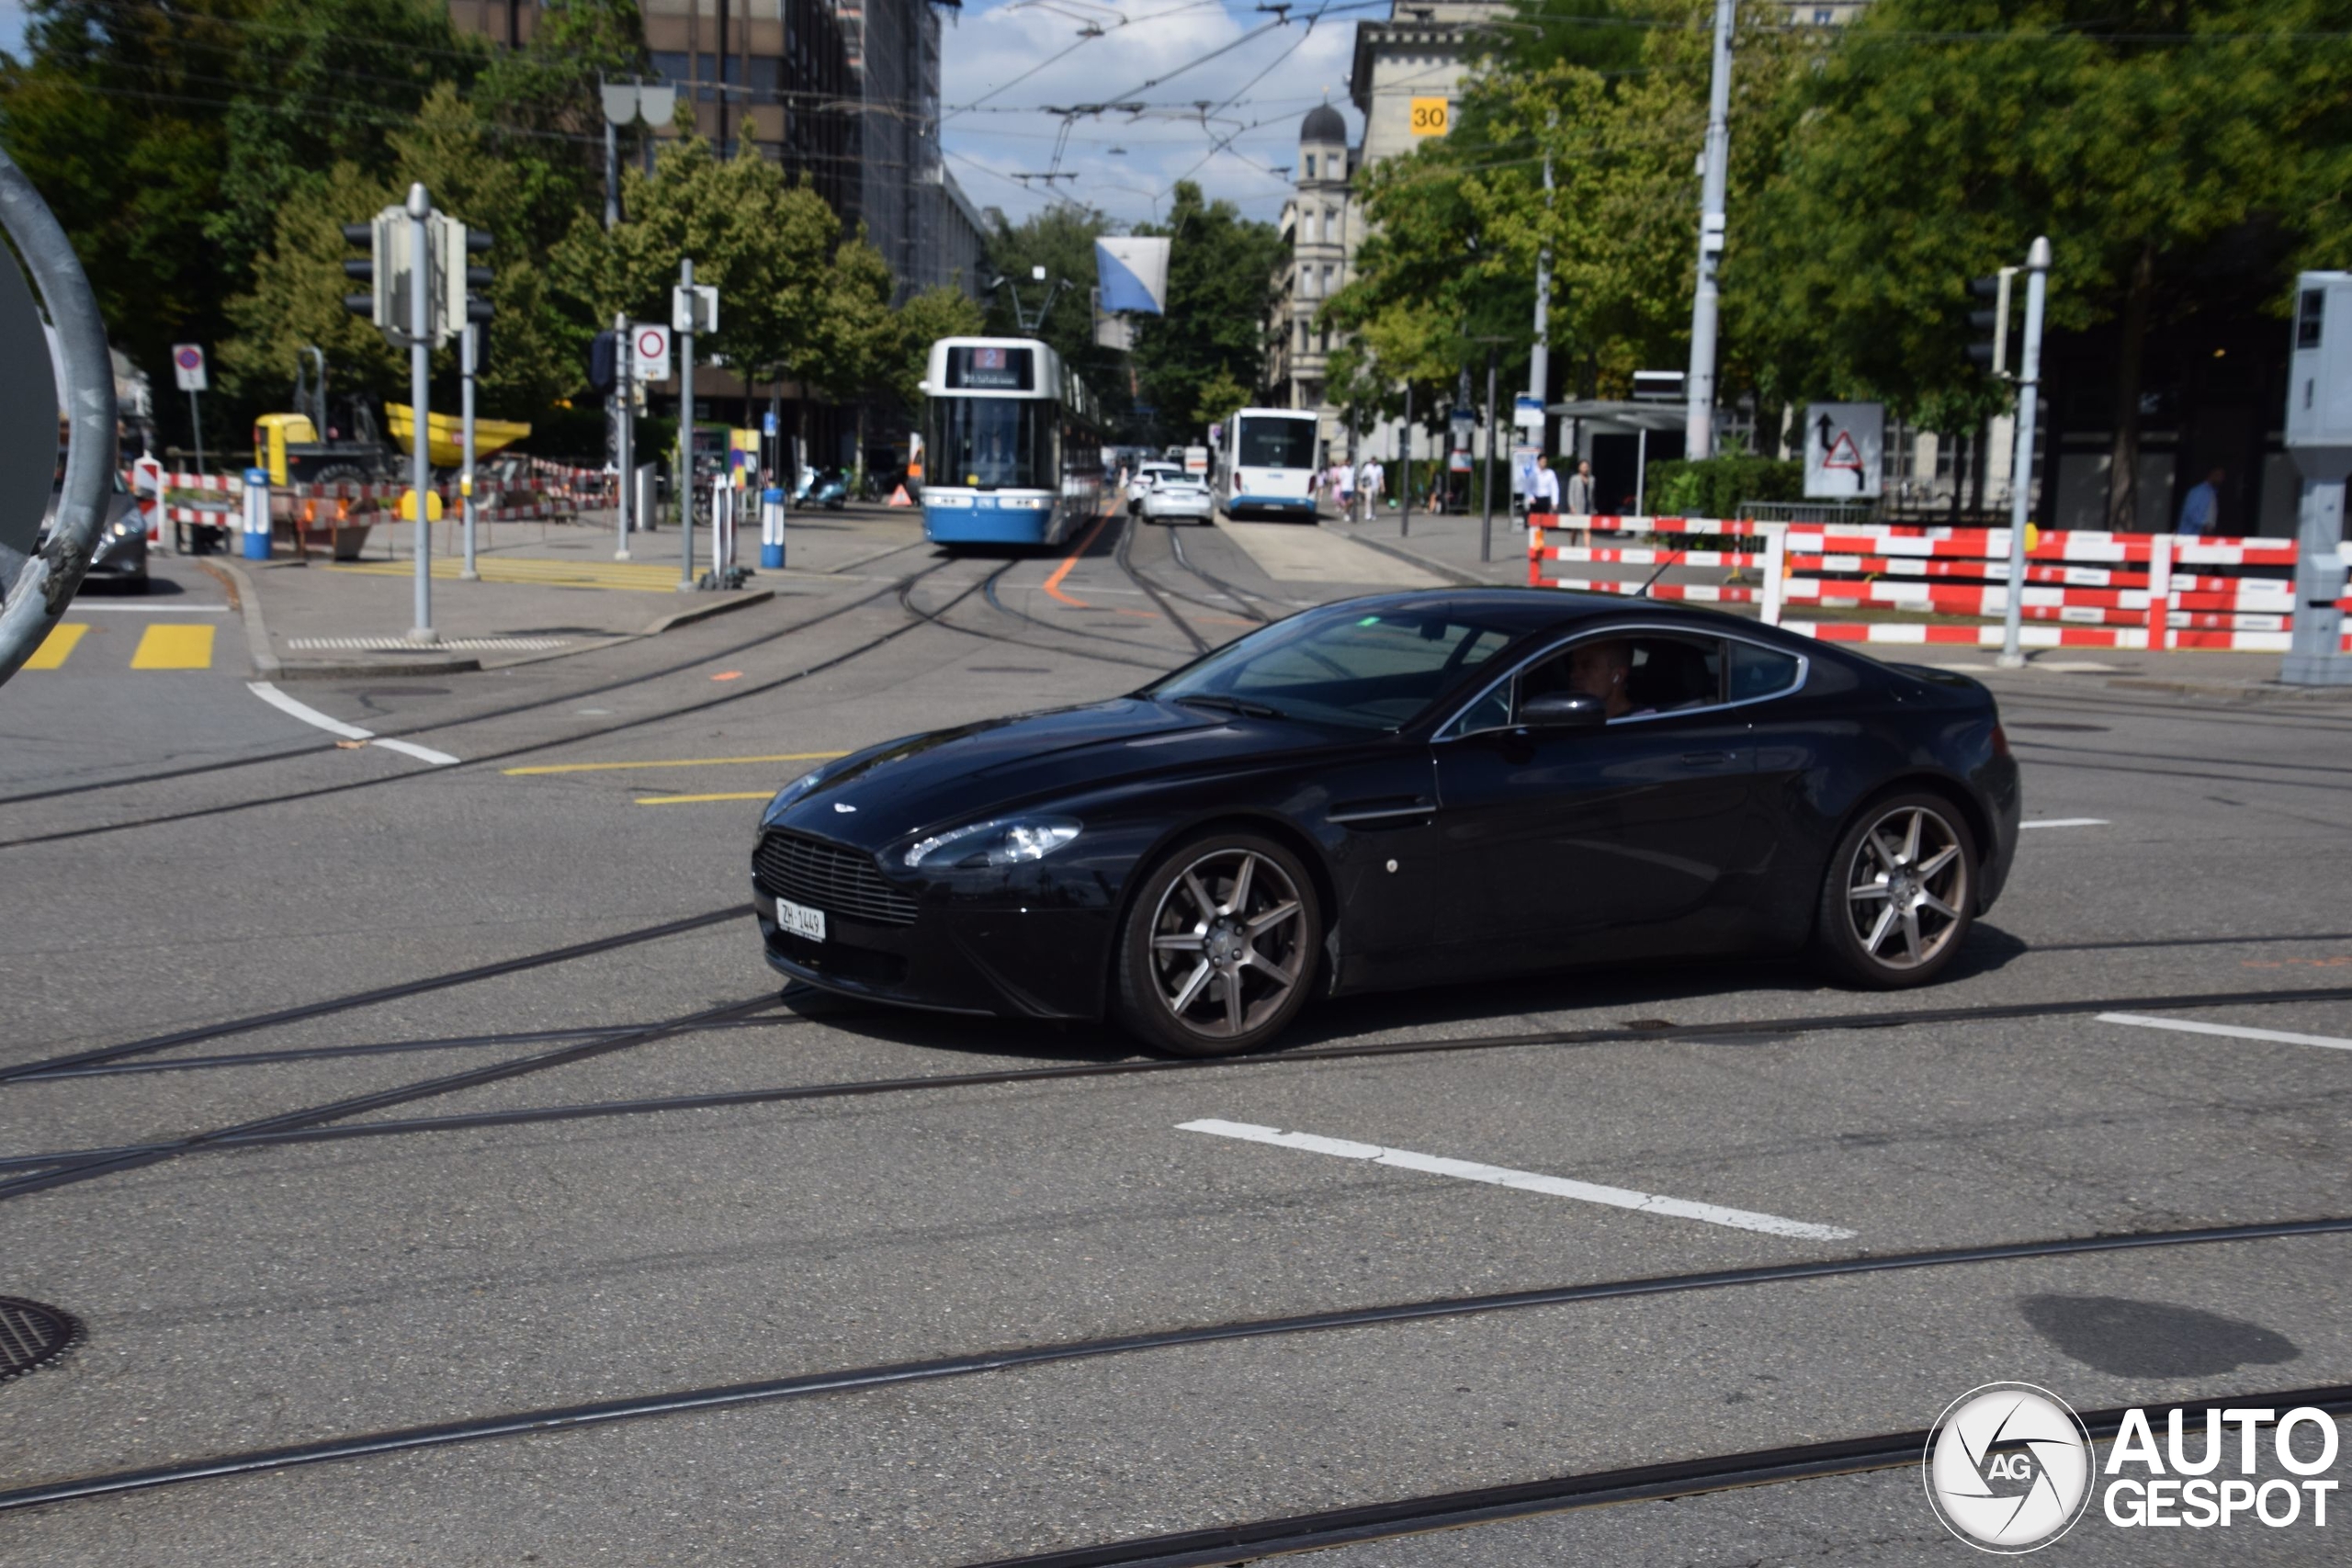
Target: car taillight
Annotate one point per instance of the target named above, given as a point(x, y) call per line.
point(2000, 741)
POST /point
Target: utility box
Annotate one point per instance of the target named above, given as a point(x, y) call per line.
point(2319, 438)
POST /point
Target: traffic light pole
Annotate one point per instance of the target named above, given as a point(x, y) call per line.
point(467, 353)
point(420, 393)
point(1699, 426)
point(625, 396)
point(2021, 467)
point(685, 487)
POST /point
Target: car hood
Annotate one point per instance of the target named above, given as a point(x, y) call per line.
point(948, 777)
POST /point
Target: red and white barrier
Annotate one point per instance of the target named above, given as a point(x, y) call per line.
point(2100, 587)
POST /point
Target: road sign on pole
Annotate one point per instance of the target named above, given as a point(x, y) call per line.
point(1842, 446)
point(649, 352)
point(188, 365)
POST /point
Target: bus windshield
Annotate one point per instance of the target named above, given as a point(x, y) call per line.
point(1276, 443)
point(993, 443)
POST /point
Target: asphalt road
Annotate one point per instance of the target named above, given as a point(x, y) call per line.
point(459, 1251)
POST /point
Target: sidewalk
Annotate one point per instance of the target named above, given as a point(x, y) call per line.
point(547, 590)
point(1446, 544)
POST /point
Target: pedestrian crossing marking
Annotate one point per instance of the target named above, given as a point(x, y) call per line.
point(537, 571)
point(163, 647)
point(57, 646)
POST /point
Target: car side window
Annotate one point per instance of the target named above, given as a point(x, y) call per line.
point(1638, 674)
point(1761, 671)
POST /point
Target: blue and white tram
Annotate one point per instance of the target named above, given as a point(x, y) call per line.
point(1266, 464)
point(1013, 444)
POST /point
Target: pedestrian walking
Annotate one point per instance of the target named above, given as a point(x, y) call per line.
point(1343, 487)
point(1371, 478)
point(1547, 497)
point(1579, 501)
point(2200, 507)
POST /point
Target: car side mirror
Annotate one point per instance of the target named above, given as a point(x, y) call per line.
point(1563, 710)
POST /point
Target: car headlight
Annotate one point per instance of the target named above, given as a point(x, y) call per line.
point(789, 793)
point(1009, 840)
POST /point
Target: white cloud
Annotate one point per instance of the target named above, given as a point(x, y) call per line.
point(1004, 127)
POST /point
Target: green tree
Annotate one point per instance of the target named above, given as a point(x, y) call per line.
point(1220, 288)
point(297, 283)
point(1939, 136)
point(922, 321)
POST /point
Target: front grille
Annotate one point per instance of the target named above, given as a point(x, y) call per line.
point(826, 876)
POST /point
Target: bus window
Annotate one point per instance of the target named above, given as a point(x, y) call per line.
point(1276, 443)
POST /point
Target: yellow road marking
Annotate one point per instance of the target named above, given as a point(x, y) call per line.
point(174, 647)
point(57, 646)
point(693, 800)
point(683, 762)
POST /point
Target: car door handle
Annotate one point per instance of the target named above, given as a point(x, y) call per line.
point(1708, 758)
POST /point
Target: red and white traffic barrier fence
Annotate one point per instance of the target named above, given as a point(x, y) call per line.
point(1955, 572)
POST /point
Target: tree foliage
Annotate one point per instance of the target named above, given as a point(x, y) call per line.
point(1059, 239)
point(922, 321)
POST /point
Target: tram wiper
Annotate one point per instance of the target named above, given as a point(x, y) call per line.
point(1241, 706)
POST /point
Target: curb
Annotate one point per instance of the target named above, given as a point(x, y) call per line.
point(1454, 575)
point(321, 670)
point(737, 600)
point(266, 665)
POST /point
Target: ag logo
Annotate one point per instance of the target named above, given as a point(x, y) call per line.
point(2007, 1468)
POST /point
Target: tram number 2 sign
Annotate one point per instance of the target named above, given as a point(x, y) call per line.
point(1430, 116)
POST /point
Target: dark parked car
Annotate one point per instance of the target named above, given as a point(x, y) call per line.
point(1400, 790)
point(119, 554)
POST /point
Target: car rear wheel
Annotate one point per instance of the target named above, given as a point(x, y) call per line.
point(1219, 947)
point(1900, 894)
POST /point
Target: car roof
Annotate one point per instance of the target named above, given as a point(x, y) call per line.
point(1526, 612)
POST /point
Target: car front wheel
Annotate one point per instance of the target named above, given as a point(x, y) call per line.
point(1219, 946)
point(1900, 894)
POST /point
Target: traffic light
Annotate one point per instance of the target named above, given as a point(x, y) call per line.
point(386, 271)
point(1993, 325)
point(457, 302)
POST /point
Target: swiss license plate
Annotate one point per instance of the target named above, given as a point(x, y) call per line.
point(800, 920)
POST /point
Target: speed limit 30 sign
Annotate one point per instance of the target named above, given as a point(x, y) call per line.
point(1430, 116)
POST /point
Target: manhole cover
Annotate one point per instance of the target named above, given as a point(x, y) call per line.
point(32, 1334)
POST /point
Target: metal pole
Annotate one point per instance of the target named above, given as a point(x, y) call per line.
point(1486, 480)
point(1405, 445)
point(195, 423)
point(1641, 470)
point(1699, 434)
point(2037, 263)
point(625, 383)
point(420, 396)
point(685, 487)
point(612, 174)
point(1539, 362)
point(469, 351)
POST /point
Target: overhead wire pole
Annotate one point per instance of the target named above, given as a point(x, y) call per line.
point(685, 487)
point(2037, 263)
point(1698, 432)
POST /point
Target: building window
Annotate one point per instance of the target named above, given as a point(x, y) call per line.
point(1302, 348)
point(1326, 288)
point(1306, 282)
point(1821, 18)
point(1310, 174)
point(1331, 222)
point(1323, 339)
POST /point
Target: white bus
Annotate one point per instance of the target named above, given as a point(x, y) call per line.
point(1265, 466)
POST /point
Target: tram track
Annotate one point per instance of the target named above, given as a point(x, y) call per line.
point(1226, 1546)
point(542, 1420)
point(535, 704)
point(901, 590)
point(307, 1127)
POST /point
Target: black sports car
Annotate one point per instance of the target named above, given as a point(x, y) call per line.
point(1398, 791)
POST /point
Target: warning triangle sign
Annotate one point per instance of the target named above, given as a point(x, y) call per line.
point(1843, 454)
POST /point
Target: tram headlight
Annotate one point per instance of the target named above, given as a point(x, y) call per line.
point(1008, 841)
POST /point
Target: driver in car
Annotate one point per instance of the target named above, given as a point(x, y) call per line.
point(1600, 670)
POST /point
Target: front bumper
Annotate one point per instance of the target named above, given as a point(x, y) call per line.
point(1006, 958)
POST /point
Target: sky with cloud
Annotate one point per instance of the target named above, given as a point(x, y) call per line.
point(1226, 119)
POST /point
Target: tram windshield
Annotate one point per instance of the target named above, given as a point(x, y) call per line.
point(993, 443)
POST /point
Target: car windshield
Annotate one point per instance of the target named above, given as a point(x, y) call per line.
point(1366, 671)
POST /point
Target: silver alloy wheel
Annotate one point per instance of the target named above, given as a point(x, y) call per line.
point(1906, 886)
point(1228, 943)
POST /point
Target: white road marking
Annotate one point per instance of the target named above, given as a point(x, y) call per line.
point(308, 715)
point(2229, 1030)
point(411, 748)
point(2067, 822)
point(1525, 1181)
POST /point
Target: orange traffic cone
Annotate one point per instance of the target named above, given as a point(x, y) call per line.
point(898, 498)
